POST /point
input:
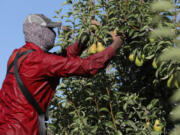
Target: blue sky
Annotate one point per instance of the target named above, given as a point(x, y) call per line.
point(12, 14)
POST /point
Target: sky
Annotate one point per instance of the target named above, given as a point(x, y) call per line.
point(12, 15)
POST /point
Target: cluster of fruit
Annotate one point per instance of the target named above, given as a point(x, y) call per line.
point(98, 46)
point(138, 61)
point(154, 63)
point(157, 125)
point(95, 48)
point(172, 81)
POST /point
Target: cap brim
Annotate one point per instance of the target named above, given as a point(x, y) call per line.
point(54, 24)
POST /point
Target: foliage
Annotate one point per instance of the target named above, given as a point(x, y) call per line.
point(130, 95)
point(169, 57)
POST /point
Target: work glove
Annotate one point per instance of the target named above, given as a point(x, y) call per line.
point(83, 38)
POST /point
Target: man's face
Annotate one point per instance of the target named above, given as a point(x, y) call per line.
point(53, 31)
point(42, 36)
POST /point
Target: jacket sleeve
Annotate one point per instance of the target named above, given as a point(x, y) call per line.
point(73, 50)
point(58, 66)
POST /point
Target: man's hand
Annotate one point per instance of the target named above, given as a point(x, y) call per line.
point(66, 28)
point(117, 40)
point(94, 25)
point(94, 22)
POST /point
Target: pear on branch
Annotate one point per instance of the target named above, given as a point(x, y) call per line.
point(157, 126)
point(143, 56)
point(154, 64)
point(169, 82)
point(131, 57)
point(92, 49)
point(100, 47)
point(115, 31)
point(138, 62)
point(176, 84)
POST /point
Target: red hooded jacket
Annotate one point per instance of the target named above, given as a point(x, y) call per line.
point(40, 73)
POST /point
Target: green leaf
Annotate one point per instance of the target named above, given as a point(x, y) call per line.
point(132, 124)
point(152, 104)
point(69, 20)
point(118, 133)
point(125, 107)
point(94, 129)
point(119, 115)
point(89, 99)
point(105, 97)
point(103, 109)
point(109, 124)
point(67, 2)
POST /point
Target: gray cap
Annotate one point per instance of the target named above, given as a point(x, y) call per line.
point(41, 20)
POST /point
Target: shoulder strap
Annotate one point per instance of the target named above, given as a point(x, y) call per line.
point(9, 68)
point(21, 85)
point(12, 63)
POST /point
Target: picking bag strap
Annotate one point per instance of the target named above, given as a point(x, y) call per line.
point(9, 68)
point(21, 85)
point(12, 63)
point(27, 94)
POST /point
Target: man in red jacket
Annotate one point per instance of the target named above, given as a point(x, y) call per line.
point(33, 74)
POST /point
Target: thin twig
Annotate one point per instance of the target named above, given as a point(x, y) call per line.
point(77, 112)
point(141, 2)
point(126, 5)
point(107, 14)
point(110, 105)
point(97, 107)
point(74, 29)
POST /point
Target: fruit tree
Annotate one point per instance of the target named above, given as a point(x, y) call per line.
point(131, 96)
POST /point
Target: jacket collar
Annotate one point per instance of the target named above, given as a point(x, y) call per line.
point(32, 46)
